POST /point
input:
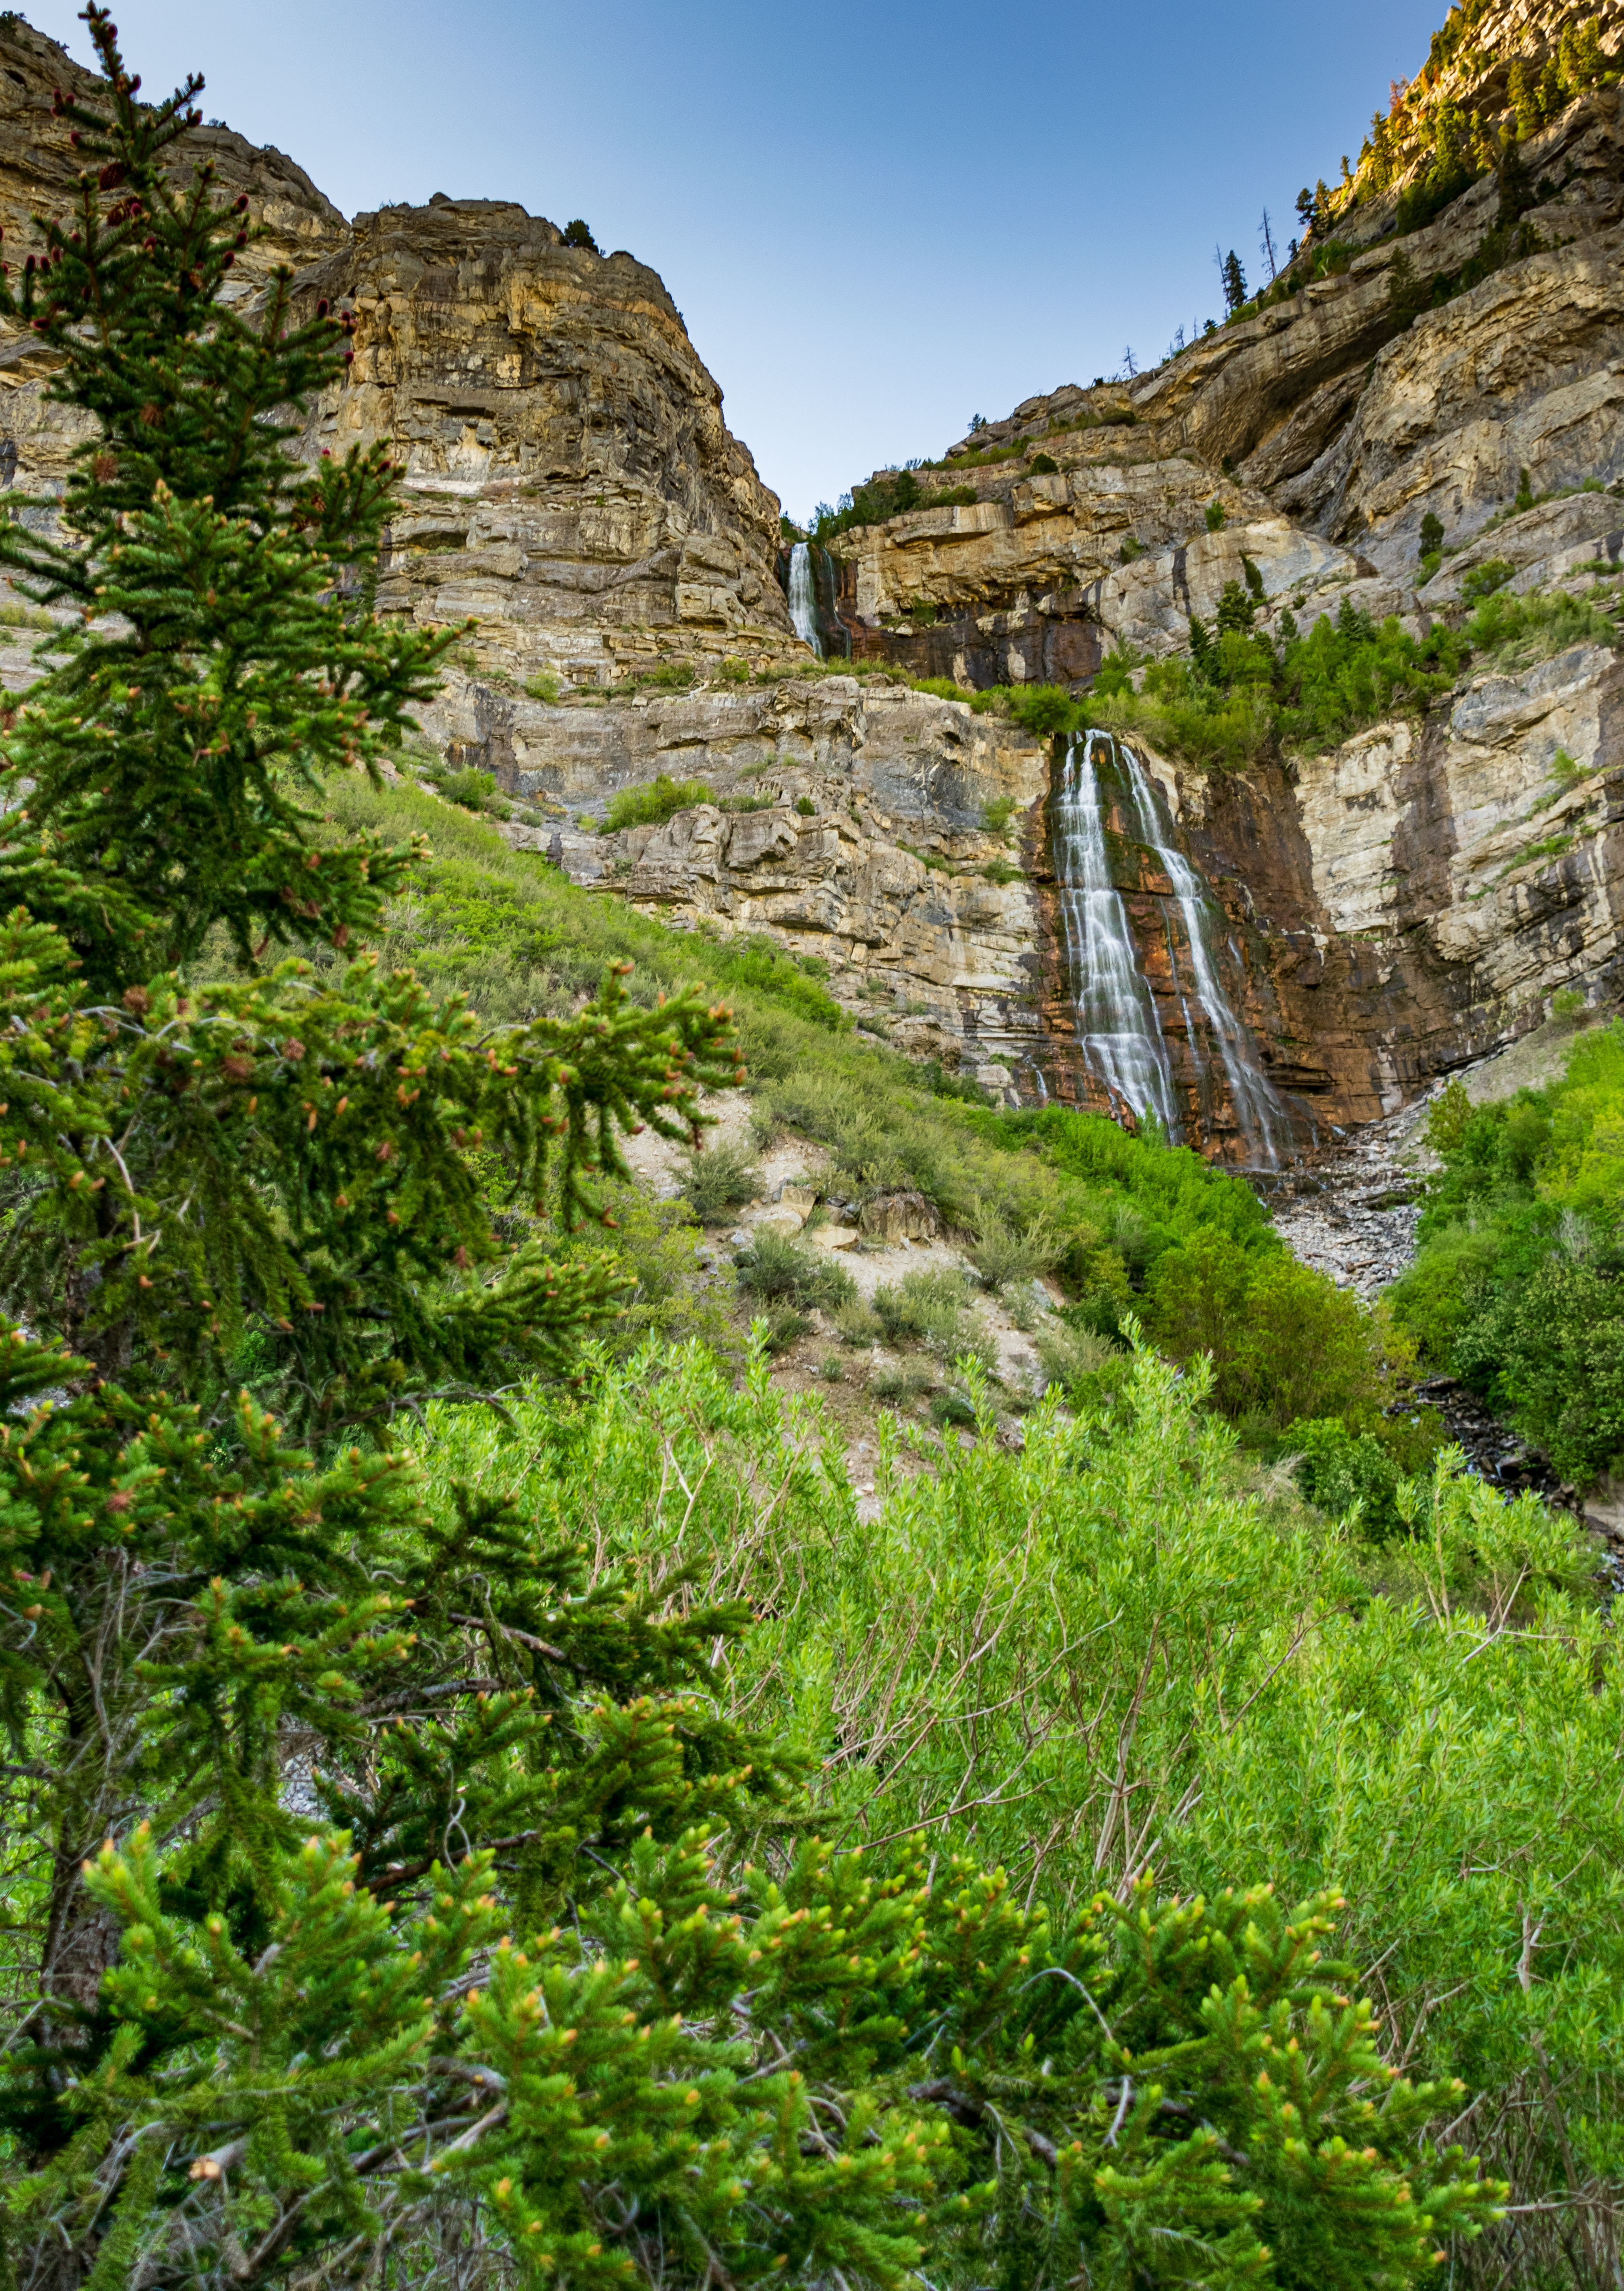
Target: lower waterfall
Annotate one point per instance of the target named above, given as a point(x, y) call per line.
point(803, 605)
point(1118, 1027)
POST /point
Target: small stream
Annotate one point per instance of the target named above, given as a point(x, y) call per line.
point(1350, 1208)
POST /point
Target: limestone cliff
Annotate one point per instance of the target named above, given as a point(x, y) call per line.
point(1392, 909)
point(569, 477)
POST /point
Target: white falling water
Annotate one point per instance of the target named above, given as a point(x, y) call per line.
point(1117, 1023)
point(1256, 1105)
point(803, 608)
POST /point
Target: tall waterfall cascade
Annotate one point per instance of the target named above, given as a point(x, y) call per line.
point(803, 605)
point(1119, 1026)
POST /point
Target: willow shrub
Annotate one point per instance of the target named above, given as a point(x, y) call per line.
point(1101, 1656)
point(1517, 1283)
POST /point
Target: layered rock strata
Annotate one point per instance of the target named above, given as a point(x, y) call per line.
point(569, 480)
point(1394, 908)
point(847, 824)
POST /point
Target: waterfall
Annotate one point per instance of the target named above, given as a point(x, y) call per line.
point(803, 605)
point(1118, 1023)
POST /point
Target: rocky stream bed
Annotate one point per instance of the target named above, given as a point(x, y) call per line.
point(1350, 1209)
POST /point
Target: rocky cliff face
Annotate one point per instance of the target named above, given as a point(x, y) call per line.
point(569, 477)
point(1390, 909)
point(849, 824)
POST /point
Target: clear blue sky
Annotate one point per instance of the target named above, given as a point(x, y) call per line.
point(877, 220)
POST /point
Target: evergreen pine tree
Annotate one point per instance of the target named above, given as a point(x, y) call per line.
point(1235, 281)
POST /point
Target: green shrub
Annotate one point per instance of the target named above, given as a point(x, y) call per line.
point(1131, 550)
point(473, 790)
point(805, 806)
point(780, 1270)
point(997, 813)
point(1215, 516)
point(733, 671)
point(1002, 1254)
point(1551, 1348)
point(906, 1381)
point(1044, 465)
point(1431, 542)
point(654, 802)
point(941, 688)
point(1485, 579)
point(1434, 1300)
point(856, 1325)
point(1086, 1366)
point(714, 1182)
point(1514, 632)
point(1285, 1341)
point(1349, 1473)
point(929, 1304)
point(669, 676)
point(782, 1326)
point(543, 686)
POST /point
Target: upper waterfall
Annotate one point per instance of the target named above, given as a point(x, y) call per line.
point(803, 607)
point(1119, 1026)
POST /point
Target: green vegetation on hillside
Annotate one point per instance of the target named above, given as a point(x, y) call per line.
point(1240, 696)
point(1516, 1286)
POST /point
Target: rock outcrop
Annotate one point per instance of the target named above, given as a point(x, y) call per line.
point(848, 821)
point(569, 479)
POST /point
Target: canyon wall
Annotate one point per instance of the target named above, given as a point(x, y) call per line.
point(1392, 909)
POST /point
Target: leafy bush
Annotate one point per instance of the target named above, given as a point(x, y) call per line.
point(1485, 579)
point(715, 1181)
point(805, 806)
point(473, 790)
point(1351, 671)
point(1215, 516)
point(654, 802)
point(1085, 1366)
point(543, 686)
point(1347, 1473)
point(1002, 1254)
point(1551, 1348)
point(1044, 464)
point(1513, 632)
point(856, 1325)
point(783, 1325)
point(780, 1270)
point(1285, 1342)
point(1515, 1285)
point(941, 688)
point(906, 1381)
point(997, 813)
point(927, 1304)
